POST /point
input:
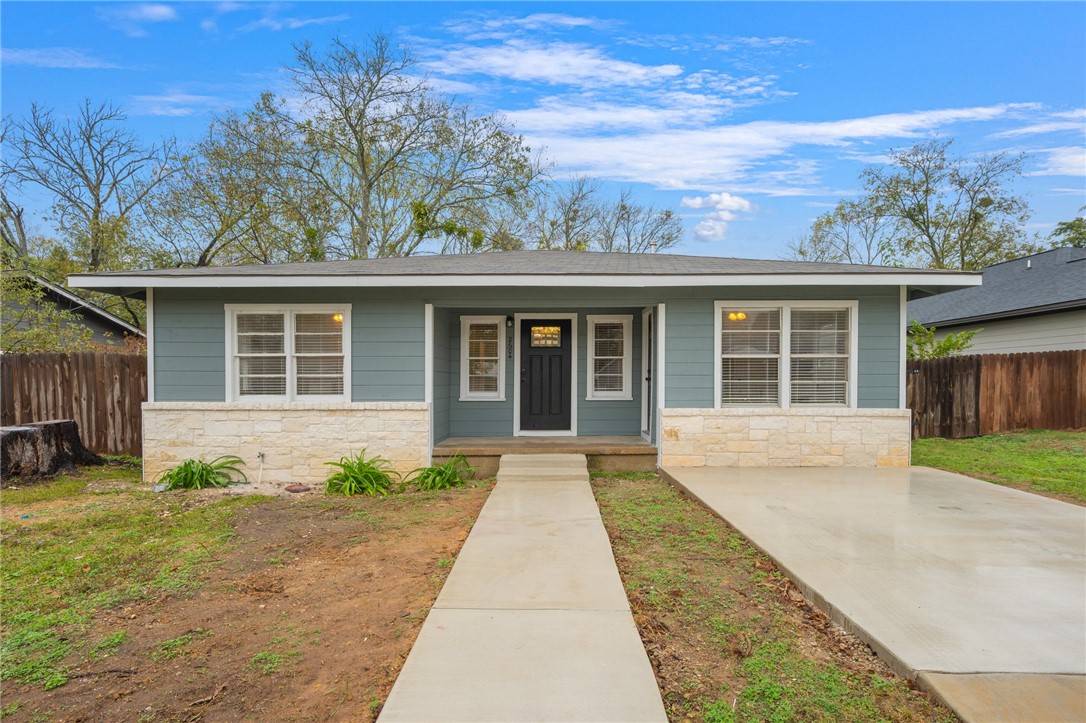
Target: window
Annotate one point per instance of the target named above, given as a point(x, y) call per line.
point(482, 368)
point(789, 353)
point(609, 344)
point(288, 353)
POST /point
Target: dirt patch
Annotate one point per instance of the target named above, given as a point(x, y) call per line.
point(309, 616)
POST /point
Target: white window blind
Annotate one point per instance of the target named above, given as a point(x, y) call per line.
point(286, 353)
point(819, 356)
point(481, 358)
point(609, 361)
point(750, 351)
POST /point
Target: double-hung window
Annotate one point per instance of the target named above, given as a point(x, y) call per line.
point(609, 357)
point(482, 365)
point(789, 353)
point(288, 353)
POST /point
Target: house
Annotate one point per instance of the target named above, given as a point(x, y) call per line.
point(107, 329)
point(1035, 303)
point(699, 360)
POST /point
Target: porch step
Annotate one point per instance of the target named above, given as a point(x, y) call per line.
point(611, 454)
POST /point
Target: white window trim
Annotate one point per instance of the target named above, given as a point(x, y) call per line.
point(785, 368)
point(465, 325)
point(288, 310)
point(626, 394)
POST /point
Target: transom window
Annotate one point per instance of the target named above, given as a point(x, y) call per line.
point(285, 353)
point(609, 357)
point(482, 366)
point(786, 353)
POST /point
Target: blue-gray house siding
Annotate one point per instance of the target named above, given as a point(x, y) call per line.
point(388, 344)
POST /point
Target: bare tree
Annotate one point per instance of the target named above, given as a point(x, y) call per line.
point(402, 164)
point(632, 228)
point(855, 232)
point(97, 172)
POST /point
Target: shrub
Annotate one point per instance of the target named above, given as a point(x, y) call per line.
point(196, 474)
point(454, 473)
point(360, 476)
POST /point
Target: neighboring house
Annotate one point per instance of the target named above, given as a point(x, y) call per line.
point(707, 361)
point(107, 329)
point(1035, 303)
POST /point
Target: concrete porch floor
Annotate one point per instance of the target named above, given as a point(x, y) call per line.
point(614, 453)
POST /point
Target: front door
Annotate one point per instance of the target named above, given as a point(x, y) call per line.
point(546, 354)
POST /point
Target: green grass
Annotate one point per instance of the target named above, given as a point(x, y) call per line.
point(94, 551)
point(1039, 460)
point(735, 647)
point(176, 647)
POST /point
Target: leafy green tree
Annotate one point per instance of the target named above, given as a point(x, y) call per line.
point(950, 213)
point(922, 344)
point(1070, 233)
point(32, 323)
point(404, 167)
point(854, 232)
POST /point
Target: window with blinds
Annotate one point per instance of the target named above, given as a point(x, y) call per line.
point(287, 354)
point(482, 374)
point(750, 354)
point(819, 352)
point(791, 354)
point(609, 346)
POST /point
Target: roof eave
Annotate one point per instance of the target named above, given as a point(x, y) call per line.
point(114, 283)
point(1009, 314)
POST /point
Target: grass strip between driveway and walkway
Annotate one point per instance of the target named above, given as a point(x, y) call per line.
point(730, 638)
point(1048, 462)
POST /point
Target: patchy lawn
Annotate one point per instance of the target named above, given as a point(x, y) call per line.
point(1050, 463)
point(121, 604)
point(730, 638)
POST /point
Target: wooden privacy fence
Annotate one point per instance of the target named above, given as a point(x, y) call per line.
point(967, 396)
point(101, 391)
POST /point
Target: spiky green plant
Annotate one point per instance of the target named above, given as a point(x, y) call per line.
point(361, 476)
point(196, 474)
point(453, 473)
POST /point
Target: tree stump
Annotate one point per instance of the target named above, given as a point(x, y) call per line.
point(41, 449)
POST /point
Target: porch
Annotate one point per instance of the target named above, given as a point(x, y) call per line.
point(610, 453)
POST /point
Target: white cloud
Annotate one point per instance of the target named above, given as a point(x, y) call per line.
point(1065, 161)
point(725, 208)
point(1074, 120)
point(174, 103)
point(53, 58)
point(482, 27)
point(132, 18)
point(557, 63)
point(724, 155)
point(271, 22)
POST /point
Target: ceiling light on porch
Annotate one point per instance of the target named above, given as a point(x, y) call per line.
point(737, 315)
point(338, 318)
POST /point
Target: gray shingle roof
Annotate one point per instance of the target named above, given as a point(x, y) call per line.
point(1043, 282)
point(561, 263)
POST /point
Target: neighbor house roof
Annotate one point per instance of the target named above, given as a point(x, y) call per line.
point(528, 268)
point(1050, 281)
point(75, 302)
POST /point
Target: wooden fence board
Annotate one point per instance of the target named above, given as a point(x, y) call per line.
point(967, 396)
point(102, 391)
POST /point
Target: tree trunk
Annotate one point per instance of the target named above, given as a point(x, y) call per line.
point(42, 448)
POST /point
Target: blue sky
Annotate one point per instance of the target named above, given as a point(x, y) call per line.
point(748, 119)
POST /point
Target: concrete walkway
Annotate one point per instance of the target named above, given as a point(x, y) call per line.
point(975, 590)
point(532, 623)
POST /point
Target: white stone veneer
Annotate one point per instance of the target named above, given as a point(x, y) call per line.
point(297, 438)
point(797, 437)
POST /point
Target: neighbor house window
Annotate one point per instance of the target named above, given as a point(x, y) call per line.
point(609, 358)
point(482, 367)
point(286, 353)
point(790, 353)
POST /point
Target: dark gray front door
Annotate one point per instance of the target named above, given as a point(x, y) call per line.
point(546, 354)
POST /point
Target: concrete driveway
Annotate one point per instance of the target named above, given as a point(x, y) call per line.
point(975, 590)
